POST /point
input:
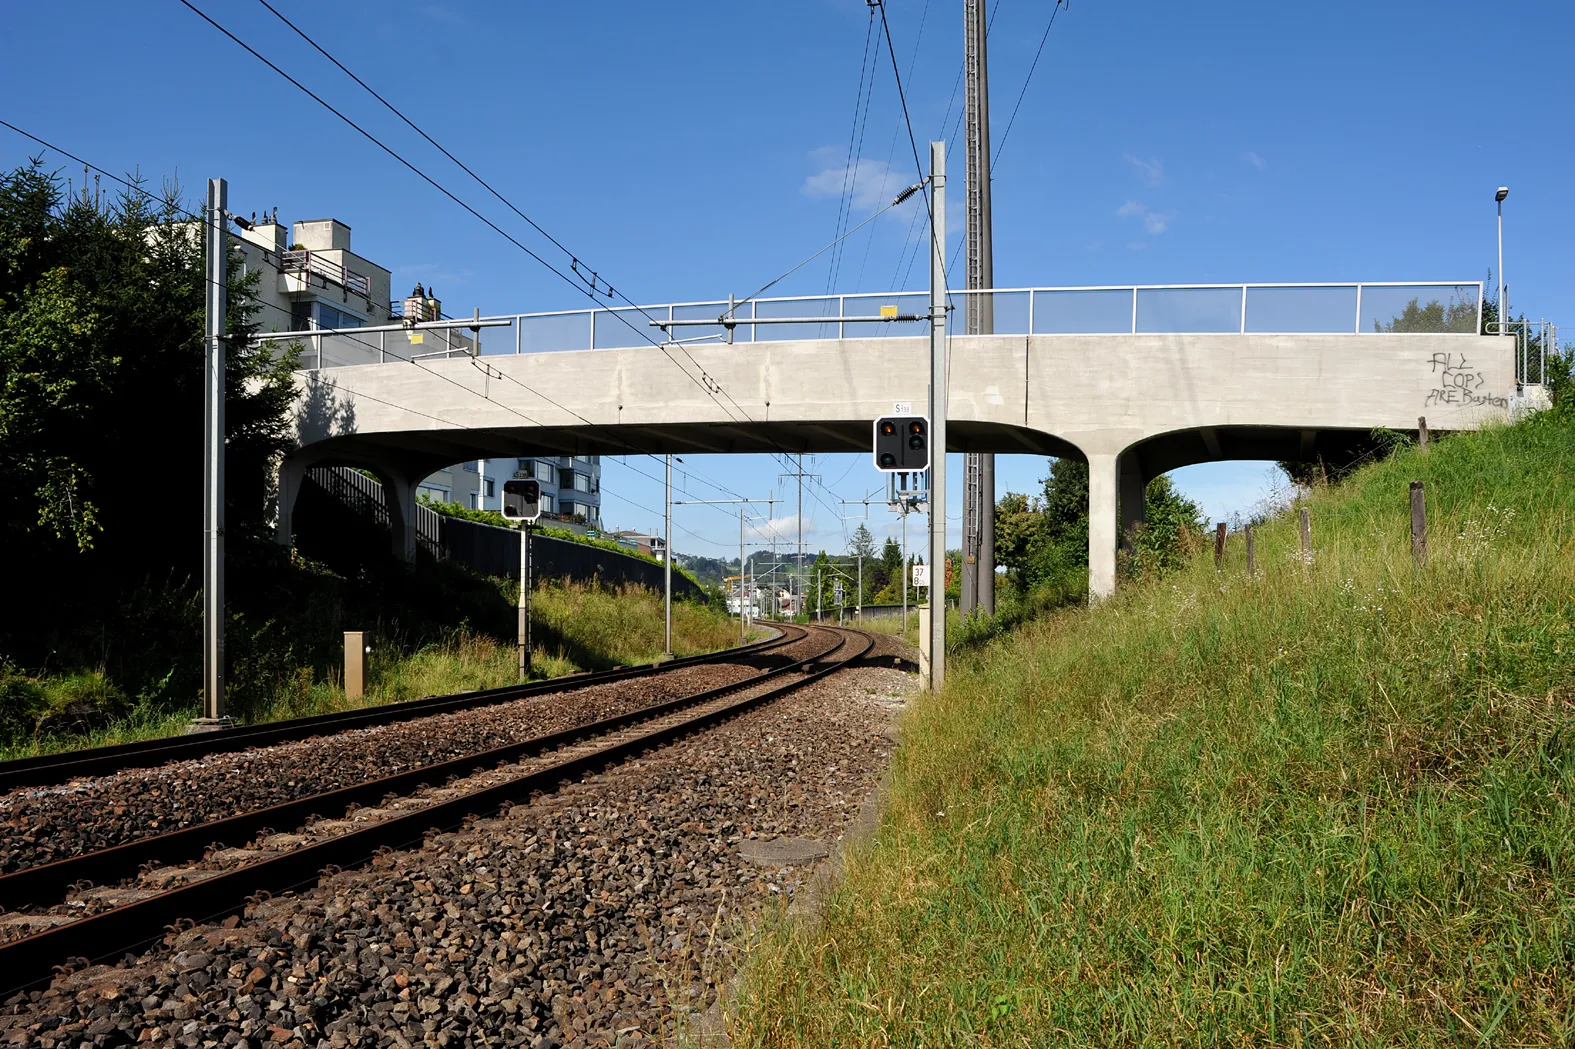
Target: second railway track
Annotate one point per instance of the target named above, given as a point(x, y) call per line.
point(42, 825)
point(212, 869)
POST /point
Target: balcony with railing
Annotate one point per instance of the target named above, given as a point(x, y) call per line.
point(309, 262)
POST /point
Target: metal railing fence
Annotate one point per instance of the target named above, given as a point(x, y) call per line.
point(1376, 308)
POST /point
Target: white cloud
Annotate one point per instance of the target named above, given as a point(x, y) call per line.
point(784, 528)
point(1155, 222)
point(873, 183)
point(1152, 170)
point(1256, 161)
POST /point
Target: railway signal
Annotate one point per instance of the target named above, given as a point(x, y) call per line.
point(521, 500)
point(902, 443)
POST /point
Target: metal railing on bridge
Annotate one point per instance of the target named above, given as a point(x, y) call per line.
point(1271, 309)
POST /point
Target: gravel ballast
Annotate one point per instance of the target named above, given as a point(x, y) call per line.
point(42, 824)
point(597, 915)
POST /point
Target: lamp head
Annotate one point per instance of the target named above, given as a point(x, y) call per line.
point(1503, 191)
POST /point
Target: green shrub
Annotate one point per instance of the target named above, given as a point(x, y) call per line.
point(21, 701)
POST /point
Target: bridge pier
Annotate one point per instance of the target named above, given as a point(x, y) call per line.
point(1103, 489)
point(1134, 505)
point(399, 495)
point(287, 477)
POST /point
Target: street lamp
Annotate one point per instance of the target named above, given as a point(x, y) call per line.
point(1503, 191)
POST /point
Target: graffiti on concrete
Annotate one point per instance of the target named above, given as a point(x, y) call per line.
point(1456, 382)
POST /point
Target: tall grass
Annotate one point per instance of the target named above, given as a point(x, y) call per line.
point(1328, 804)
point(575, 627)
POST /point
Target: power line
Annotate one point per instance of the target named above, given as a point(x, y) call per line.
point(437, 145)
point(850, 171)
point(891, 151)
point(591, 293)
point(1026, 80)
point(307, 334)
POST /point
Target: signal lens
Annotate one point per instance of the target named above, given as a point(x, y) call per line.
point(916, 442)
point(916, 427)
point(888, 459)
point(887, 428)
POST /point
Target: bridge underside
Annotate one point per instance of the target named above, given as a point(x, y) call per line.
point(1133, 407)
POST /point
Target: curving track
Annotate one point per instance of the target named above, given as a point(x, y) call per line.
point(246, 857)
point(155, 796)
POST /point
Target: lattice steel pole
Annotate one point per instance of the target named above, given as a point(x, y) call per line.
point(978, 584)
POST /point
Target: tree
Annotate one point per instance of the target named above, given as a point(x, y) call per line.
point(101, 402)
point(862, 545)
point(1172, 528)
point(101, 351)
point(1434, 316)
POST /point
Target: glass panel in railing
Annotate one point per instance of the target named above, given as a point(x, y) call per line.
point(826, 306)
point(892, 305)
point(1102, 312)
point(628, 327)
point(1419, 308)
point(1298, 310)
point(553, 332)
point(340, 351)
point(704, 333)
point(1188, 310)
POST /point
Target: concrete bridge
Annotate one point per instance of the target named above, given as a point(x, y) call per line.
point(1133, 403)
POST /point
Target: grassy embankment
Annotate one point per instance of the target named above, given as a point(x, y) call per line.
point(1329, 804)
point(587, 627)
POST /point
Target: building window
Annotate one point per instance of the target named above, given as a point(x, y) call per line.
point(527, 467)
point(565, 479)
point(583, 459)
point(546, 502)
point(469, 467)
point(582, 482)
point(489, 488)
point(330, 317)
point(568, 509)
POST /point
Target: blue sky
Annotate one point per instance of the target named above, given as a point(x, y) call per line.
point(690, 150)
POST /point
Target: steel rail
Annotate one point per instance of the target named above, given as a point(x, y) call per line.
point(48, 769)
point(33, 960)
point(49, 882)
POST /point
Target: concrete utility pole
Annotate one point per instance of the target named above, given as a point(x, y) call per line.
point(978, 567)
point(217, 303)
point(742, 505)
point(667, 567)
point(799, 563)
point(524, 602)
point(937, 415)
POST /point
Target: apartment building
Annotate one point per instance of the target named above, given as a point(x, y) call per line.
point(310, 279)
point(571, 486)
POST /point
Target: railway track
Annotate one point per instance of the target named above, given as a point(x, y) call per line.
point(215, 869)
point(99, 761)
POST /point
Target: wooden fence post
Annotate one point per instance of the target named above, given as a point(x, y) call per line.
point(355, 664)
point(1418, 524)
point(1252, 556)
point(1421, 432)
point(1219, 546)
point(1306, 535)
